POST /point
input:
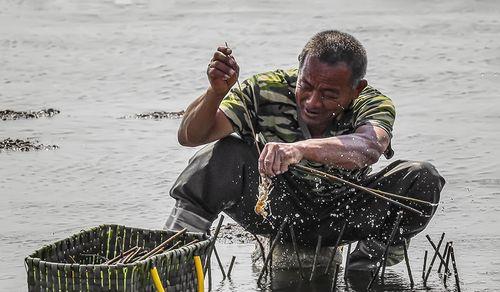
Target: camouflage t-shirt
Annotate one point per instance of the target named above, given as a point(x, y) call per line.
point(270, 100)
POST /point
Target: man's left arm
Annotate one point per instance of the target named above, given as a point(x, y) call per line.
point(353, 151)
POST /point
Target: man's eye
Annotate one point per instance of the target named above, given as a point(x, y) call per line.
point(304, 85)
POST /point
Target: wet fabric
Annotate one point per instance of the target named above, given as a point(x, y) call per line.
point(270, 100)
point(223, 176)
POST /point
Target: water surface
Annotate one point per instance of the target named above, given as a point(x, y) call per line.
point(97, 61)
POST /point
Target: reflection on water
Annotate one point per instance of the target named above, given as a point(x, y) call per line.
point(97, 61)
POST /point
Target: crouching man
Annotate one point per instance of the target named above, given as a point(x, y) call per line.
point(323, 115)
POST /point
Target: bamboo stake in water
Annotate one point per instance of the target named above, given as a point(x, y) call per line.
point(438, 253)
point(408, 267)
point(271, 249)
point(231, 267)
point(295, 249)
point(347, 258)
point(455, 271)
point(220, 263)
point(335, 247)
point(433, 257)
point(444, 255)
point(318, 248)
point(425, 266)
point(261, 246)
point(384, 257)
point(212, 245)
point(446, 271)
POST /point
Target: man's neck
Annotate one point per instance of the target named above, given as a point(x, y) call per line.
point(317, 132)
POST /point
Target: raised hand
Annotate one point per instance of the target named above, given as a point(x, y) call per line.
point(222, 72)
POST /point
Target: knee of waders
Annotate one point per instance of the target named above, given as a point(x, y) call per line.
point(427, 174)
point(228, 149)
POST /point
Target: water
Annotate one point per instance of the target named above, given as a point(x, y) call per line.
point(97, 61)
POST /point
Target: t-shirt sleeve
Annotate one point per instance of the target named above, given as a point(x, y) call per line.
point(376, 109)
point(238, 105)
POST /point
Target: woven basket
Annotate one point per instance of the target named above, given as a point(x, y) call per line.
point(51, 269)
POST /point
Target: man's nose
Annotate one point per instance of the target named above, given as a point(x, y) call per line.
point(315, 100)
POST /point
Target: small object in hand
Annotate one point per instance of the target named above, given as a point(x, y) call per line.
point(265, 187)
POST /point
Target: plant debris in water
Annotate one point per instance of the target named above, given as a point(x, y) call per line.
point(159, 115)
point(16, 115)
point(23, 145)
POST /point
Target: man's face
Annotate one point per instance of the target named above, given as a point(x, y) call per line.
point(323, 91)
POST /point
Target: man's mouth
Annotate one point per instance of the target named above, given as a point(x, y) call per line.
point(311, 113)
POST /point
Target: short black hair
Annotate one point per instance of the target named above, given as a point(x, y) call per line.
point(332, 47)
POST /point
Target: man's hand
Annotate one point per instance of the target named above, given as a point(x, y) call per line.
point(222, 72)
point(276, 157)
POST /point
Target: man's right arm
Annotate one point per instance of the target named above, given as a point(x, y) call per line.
point(203, 121)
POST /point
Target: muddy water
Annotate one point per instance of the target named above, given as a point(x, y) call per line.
point(97, 61)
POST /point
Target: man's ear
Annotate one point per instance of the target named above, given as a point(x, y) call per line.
point(361, 85)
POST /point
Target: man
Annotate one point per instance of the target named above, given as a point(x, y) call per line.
point(323, 115)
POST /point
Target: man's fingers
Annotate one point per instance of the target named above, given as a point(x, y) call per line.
point(223, 67)
point(262, 157)
point(284, 166)
point(269, 163)
point(218, 56)
point(270, 160)
point(266, 161)
point(215, 73)
point(276, 168)
point(225, 50)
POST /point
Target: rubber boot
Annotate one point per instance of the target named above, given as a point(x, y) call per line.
point(368, 255)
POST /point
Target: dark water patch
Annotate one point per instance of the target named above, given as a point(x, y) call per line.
point(157, 115)
point(16, 115)
point(23, 145)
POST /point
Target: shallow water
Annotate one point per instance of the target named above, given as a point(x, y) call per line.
point(97, 61)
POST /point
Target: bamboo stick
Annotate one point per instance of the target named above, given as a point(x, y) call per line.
point(163, 244)
point(318, 248)
point(294, 243)
point(408, 267)
point(455, 270)
point(212, 245)
point(438, 253)
point(425, 265)
point(273, 245)
point(358, 187)
point(132, 255)
point(220, 263)
point(384, 257)
point(335, 247)
point(433, 257)
point(118, 257)
point(444, 255)
point(446, 271)
point(348, 257)
point(231, 267)
point(247, 113)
